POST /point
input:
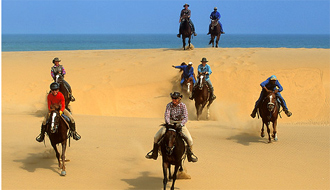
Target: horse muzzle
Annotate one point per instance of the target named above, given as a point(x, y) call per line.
point(270, 107)
point(169, 150)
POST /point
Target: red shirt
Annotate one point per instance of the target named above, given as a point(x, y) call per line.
point(58, 99)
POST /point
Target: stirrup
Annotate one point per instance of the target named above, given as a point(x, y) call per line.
point(72, 99)
point(75, 135)
point(191, 159)
point(288, 113)
point(149, 155)
point(39, 138)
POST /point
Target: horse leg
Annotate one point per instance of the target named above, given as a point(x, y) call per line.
point(174, 175)
point(217, 41)
point(268, 131)
point(275, 130)
point(169, 172)
point(262, 130)
point(165, 167)
point(63, 172)
point(57, 155)
point(184, 42)
point(212, 40)
point(189, 40)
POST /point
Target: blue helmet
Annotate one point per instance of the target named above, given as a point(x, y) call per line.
point(273, 77)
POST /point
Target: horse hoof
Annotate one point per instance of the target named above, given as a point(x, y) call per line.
point(63, 173)
point(276, 139)
point(262, 135)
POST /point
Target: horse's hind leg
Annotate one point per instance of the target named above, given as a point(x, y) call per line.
point(63, 172)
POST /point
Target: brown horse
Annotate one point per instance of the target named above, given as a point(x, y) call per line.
point(60, 80)
point(202, 96)
point(269, 110)
point(188, 85)
point(215, 32)
point(57, 130)
point(185, 31)
point(173, 152)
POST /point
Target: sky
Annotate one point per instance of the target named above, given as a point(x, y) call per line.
point(162, 16)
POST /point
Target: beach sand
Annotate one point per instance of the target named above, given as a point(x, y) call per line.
point(120, 102)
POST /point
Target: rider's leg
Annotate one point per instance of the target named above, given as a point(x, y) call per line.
point(221, 29)
point(254, 112)
point(68, 88)
point(187, 137)
point(181, 82)
point(192, 27)
point(283, 104)
point(209, 29)
point(211, 89)
point(72, 125)
point(41, 136)
point(153, 154)
point(179, 31)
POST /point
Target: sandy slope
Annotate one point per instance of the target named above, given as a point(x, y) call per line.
point(121, 96)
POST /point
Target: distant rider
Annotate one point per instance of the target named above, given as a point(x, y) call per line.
point(59, 69)
point(56, 98)
point(176, 113)
point(215, 15)
point(206, 69)
point(188, 72)
point(186, 13)
point(269, 85)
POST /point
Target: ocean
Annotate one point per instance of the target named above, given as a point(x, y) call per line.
point(55, 42)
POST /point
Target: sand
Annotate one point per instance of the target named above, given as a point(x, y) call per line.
point(120, 101)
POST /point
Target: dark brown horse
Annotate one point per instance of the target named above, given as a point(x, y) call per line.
point(269, 110)
point(60, 80)
point(185, 31)
point(173, 152)
point(57, 131)
point(202, 96)
point(215, 32)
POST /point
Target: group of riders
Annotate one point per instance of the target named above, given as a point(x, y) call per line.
point(55, 98)
point(176, 111)
point(186, 14)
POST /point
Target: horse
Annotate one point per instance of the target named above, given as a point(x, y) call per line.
point(173, 152)
point(269, 111)
point(57, 131)
point(202, 96)
point(60, 80)
point(185, 31)
point(215, 32)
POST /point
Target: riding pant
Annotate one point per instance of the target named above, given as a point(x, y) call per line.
point(278, 94)
point(192, 76)
point(65, 112)
point(185, 132)
point(208, 83)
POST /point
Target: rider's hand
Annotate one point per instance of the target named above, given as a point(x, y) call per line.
point(276, 91)
point(173, 66)
point(61, 112)
point(206, 73)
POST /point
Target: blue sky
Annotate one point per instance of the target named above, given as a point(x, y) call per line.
point(162, 16)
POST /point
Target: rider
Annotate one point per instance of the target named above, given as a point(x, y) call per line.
point(186, 13)
point(188, 72)
point(270, 85)
point(56, 98)
point(176, 113)
point(205, 68)
point(59, 69)
point(215, 15)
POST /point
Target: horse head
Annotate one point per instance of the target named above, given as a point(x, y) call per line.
point(214, 23)
point(58, 78)
point(271, 99)
point(170, 138)
point(54, 120)
point(201, 81)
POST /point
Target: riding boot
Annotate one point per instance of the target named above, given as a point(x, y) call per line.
point(286, 111)
point(213, 97)
point(73, 132)
point(178, 35)
point(254, 112)
point(153, 154)
point(72, 99)
point(41, 136)
point(190, 155)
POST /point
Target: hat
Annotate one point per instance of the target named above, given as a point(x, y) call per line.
point(273, 77)
point(215, 8)
point(176, 95)
point(185, 5)
point(204, 60)
point(190, 63)
point(56, 59)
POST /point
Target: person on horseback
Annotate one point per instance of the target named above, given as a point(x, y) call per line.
point(59, 69)
point(176, 113)
point(186, 13)
point(269, 85)
point(56, 98)
point(188, 72)
point(204, 68)
point(215, 15)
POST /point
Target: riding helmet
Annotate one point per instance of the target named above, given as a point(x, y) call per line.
point(54, 86)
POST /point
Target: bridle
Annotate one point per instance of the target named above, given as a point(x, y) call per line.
point(169, 150)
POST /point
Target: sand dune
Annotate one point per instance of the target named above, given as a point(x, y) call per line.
point(120, 101)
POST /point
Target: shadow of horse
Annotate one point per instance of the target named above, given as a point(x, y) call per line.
point(44, 160)
point(145, 181)
point(246, 139)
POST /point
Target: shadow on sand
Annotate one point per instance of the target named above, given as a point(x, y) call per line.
point(246, 139)
point(145, 182)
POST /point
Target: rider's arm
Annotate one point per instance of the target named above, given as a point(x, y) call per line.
point(185, 114)
point(280, 88)
point(63, 71)
point(209, 70)
point(167, 113)
point(62, 101)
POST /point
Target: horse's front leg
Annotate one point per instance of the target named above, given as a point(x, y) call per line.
point(268, 131)
point(275, 130)
point(57, 155)
point(165, 167)
point(63, 172)
point(217, 41)
point(169, 172)
point(184, 43)
point(174, 175)
point(262, 130)
point(189, 41)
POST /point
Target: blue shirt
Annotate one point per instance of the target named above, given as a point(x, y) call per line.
point(186, 71)
point(215, 15)
point(269, 86)
point(202, 69)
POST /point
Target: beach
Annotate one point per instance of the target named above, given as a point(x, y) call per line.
point(120, 102)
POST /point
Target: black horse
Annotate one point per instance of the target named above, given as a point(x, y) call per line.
point(185, 31)
point(215, 32)
point(57, 130)
point(173, 152)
